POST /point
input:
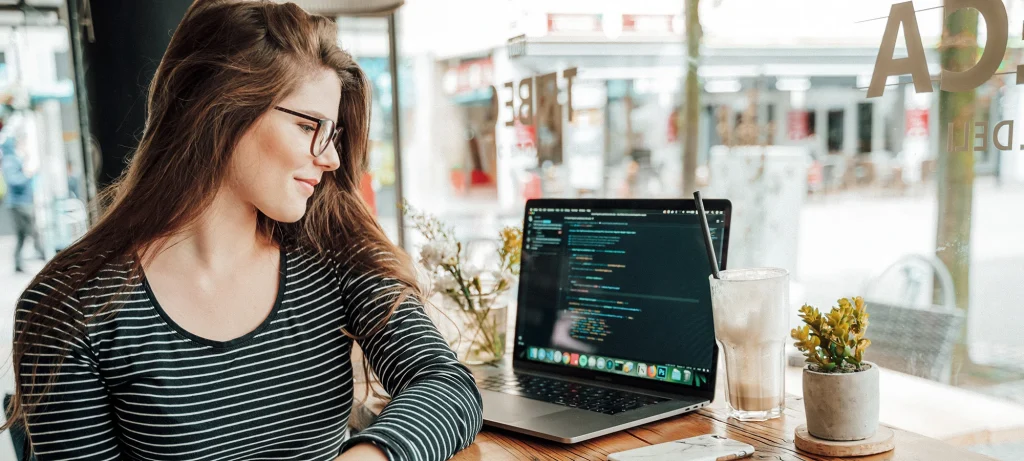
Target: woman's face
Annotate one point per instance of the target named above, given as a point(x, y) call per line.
point(272, 168)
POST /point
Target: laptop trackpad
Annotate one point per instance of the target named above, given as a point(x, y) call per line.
point(509, 408)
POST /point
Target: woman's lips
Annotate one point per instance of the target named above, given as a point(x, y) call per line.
point(307, 185)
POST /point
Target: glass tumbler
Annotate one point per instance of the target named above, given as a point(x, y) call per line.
point(751, 315)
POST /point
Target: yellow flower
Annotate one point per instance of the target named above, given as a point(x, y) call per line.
point(511, 248)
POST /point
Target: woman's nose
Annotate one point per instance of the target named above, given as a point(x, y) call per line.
point(330, 159)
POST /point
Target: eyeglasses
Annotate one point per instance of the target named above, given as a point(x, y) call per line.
point(326, 131)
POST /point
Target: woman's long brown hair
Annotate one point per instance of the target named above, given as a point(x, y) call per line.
point(228, 62)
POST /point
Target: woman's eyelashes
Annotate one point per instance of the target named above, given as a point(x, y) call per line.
point(308, 129)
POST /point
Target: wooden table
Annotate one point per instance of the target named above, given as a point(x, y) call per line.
point(772, 440)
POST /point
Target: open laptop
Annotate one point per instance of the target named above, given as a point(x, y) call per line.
point(613, 321)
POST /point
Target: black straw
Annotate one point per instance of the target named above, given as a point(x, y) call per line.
point(712, 260)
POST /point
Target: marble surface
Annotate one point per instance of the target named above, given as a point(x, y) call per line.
point(702, 448)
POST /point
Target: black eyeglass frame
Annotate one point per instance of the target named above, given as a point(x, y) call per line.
point(320, 124)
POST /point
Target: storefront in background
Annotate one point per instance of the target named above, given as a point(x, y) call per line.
point(41, 124)
point(783, 119)
point(469, 84)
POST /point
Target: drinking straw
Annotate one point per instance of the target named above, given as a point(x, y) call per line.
point(712, 260)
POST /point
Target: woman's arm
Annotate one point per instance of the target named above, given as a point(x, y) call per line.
point(74, 419)
point(436, 409)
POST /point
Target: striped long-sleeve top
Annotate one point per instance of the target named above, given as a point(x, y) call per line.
point(141, 387)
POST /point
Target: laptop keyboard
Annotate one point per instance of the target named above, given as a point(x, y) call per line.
point(570, 394)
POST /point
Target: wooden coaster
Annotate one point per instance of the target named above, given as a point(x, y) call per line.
point(883, 441)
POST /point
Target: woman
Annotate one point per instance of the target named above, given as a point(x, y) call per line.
point(210, 314)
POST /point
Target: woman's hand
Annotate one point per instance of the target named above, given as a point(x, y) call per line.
point(363, 451)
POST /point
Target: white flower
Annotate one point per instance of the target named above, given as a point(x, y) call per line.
point(433, 254)
point(448, 254)
point(444, 282)
point(430, 256)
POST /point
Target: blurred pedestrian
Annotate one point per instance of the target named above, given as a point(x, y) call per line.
point(20, 183)
point(74, 182)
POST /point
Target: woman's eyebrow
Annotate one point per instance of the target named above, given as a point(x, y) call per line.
point(316, 114)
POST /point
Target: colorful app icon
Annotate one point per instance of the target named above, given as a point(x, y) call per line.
point(550, 355)
point(687, 377)
point(558, 356)
point(652, 371)
point(677, 375)
point(574, 359)
point(618, 365)
point(566, 358)
point(627, 367)
point(592, 362)
point(533, 352)
point(584, 360)
point(600, 363)
point(662, 372)
point(641, 369)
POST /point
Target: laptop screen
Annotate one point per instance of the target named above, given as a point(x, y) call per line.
point(620, 291)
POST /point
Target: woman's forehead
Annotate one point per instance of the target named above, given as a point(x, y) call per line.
point(318, 95)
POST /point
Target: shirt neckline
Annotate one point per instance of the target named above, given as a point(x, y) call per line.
point(283, 273)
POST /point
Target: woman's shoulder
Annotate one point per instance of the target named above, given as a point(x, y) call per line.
point(301, 255)
point(357, 266)
point(352, 256)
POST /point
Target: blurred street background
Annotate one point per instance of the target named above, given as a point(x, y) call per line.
point(481, 105)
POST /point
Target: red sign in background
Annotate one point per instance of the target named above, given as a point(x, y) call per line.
point(526, 136)
point(916, 122)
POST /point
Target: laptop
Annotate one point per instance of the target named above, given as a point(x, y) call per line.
point(613, 320)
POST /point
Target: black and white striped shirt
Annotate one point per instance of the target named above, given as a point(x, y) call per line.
point(141, 387)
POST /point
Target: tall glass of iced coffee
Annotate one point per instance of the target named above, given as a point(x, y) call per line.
point(751, 315)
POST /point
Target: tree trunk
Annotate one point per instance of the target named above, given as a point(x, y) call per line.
point(692, 102)
point(956, 169)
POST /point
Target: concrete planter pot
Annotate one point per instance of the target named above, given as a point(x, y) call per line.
point(841, 406)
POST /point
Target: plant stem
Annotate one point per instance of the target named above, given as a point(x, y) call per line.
point(492, 335)
point(485, 328)
point(462, 285)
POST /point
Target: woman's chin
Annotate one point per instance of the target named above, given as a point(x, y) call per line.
point(289, 214)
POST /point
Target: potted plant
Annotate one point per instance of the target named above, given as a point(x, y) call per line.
point(840, 388)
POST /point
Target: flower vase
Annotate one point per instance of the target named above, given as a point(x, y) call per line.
point(482, 330)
